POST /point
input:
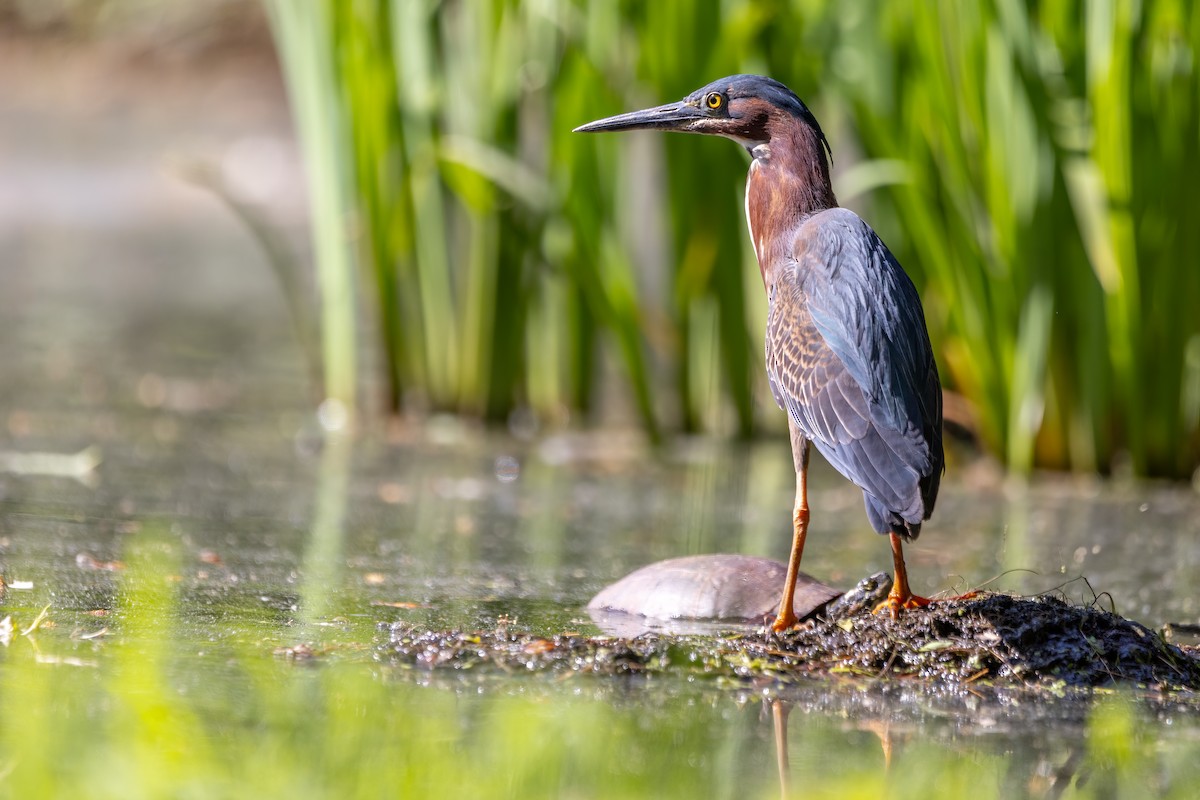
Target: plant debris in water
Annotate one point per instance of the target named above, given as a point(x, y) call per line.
point(989, 639)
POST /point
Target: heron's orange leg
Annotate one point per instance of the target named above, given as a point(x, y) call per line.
point(900, 597)
point(787, 613)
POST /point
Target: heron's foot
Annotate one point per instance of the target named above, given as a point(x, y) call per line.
point(784, 622)
point(894, 603)
point(897, 603)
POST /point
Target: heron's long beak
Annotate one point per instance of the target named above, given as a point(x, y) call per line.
point(671, 117)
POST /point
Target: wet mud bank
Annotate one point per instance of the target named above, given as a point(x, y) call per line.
point(998, 640)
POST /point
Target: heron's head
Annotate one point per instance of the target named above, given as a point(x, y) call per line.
point(748, 109)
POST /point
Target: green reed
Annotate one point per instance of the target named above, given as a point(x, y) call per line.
point(1039, 205)
point(1029, 165)
point(309, 65)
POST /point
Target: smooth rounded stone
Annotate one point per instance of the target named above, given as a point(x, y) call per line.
point(727, 588)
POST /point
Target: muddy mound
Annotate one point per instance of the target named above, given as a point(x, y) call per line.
point(994, 637)
point(991, 639)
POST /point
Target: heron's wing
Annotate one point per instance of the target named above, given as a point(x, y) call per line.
point(807, 378)
point(849, 358)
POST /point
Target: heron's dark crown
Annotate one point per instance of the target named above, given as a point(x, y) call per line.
point(758, 86)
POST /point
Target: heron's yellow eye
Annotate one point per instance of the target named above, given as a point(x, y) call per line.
point(714, 100)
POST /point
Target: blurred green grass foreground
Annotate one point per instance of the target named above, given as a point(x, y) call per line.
point(168, 709)
point(1031, 165)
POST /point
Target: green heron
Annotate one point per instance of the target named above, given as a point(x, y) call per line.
point(848, 354)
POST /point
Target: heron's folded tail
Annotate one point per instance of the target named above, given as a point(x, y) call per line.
point(887, 521)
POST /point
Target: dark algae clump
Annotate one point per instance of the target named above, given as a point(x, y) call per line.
point(990, 639)
point(996, 638)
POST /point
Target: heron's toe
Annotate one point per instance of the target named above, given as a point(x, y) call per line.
point(784, 622)
point(896, 603)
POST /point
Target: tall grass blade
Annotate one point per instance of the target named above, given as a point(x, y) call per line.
point(304, 32)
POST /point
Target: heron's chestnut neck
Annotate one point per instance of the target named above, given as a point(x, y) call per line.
point(788, 181)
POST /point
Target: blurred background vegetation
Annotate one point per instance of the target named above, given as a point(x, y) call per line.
point(1027, 162)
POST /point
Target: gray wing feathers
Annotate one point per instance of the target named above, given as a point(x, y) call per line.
point(849, 358)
